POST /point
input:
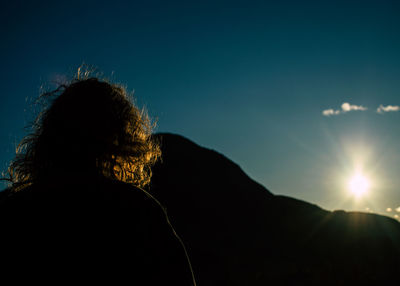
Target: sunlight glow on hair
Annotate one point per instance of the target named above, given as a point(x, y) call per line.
point(87, 127)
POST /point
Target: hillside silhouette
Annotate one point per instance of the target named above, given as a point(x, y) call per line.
point(239, 233)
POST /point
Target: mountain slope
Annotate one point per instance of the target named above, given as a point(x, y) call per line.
point(239, 233)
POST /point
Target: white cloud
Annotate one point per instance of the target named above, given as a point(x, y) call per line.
point(329, 112)
point(346, 107)
point(388, 108)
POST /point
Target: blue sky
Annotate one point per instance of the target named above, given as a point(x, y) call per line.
point(250, 79)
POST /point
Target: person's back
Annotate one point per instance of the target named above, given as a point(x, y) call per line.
point(76, 216)
point(89, 232)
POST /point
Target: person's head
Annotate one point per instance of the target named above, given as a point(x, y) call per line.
point(90, 128)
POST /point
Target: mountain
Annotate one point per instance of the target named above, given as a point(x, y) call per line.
point(238, 233)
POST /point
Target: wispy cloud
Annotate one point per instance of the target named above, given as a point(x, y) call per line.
point(387, 108)
point(345, 107)
point(329, 112)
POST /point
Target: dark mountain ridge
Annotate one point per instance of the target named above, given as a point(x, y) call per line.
point(239, 233)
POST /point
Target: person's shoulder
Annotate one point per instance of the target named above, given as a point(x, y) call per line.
point(126, 194)
point(127, 197)
point(74, 199)
point(100, 189)
point(4, 195)
point(11, 199)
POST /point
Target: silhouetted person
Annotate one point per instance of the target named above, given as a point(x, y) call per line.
point(75, 212)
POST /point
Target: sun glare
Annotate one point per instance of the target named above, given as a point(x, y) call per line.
point(359, 185)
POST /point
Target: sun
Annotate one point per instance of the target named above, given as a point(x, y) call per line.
point(359, 185)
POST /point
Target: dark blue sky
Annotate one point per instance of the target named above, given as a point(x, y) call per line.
point(249, 79)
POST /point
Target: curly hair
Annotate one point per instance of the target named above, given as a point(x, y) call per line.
point(91, 127)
